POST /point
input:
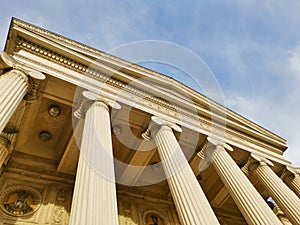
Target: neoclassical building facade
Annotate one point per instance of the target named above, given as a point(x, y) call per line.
point(91, 139)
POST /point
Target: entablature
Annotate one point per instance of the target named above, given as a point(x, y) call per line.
point(119, 80)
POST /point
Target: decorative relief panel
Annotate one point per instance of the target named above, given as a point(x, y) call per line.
point(21, 204)
point(20, 200)
point(136, 211)
point(153, 219)
point(127, 213)
point(60, 214)
point(156, 217)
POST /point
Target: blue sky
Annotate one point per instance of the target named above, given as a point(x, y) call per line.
point(253, 47)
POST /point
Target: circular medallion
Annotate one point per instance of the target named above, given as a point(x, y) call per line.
point(20, 200)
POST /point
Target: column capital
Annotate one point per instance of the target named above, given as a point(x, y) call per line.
point(35, 78)
point(155, 124)
point(254, 161)
point(290, 172)
point(31, 77)
point(7, 62)
point(212, 146)
point(215, 141)
point(92, 99)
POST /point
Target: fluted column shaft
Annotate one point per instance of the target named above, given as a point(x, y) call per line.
point(7, 141)
point(4, 152)
point(291, 177)
point(287, 200)
point(191, 203)
point(294, 184)
point(253, 207)
point(13, 87)
point(94, 198)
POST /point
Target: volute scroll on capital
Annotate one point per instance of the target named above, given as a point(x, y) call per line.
point(290, 172)
point(254, 161)
point(217, 142)
point(212, 146)
point(156, 123)
point(91, 98)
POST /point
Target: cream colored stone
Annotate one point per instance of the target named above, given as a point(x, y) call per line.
point(190, 201)
point(14, 86)
point(94, 198)
point(70, 66)
point(291, 177)
point(285, 198)
point(253, 207)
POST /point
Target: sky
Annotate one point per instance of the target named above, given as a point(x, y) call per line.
point(252, 47)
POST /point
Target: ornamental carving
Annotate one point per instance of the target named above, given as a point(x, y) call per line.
point(20, 201)
point(152, 217)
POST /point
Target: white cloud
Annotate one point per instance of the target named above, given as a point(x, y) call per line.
point(294, 62)
point(277, 110)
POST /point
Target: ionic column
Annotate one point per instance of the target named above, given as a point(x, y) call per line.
point(291, 176)
point(190, 201)
point(6, 143)
point(13, 88)
point(94, 199)
point(14, 84)
point(286, 199)
point(253, 207)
